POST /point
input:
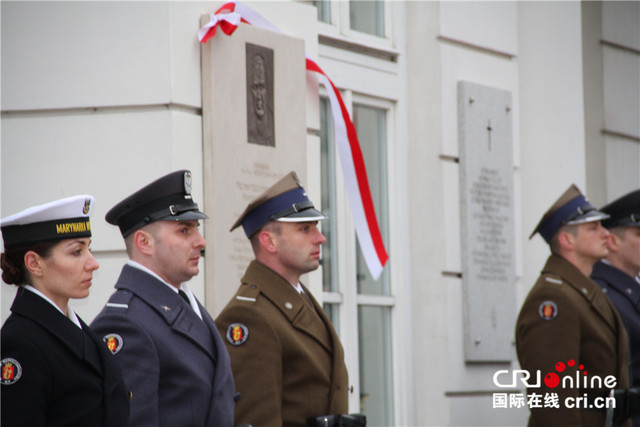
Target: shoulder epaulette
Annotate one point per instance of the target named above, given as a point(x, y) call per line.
point(120, 299)
point(553, 279)
point(247, 293)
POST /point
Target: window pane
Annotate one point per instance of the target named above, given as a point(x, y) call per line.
point(324, 10)
point(333, 314)
point(367, 16)
point(328, 199)
point(376, 397)
point(371, 127)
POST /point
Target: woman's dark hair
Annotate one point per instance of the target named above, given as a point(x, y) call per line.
point(14, 271)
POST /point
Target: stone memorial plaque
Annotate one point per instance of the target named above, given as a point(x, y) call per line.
point(236, 170)
point(487, 222)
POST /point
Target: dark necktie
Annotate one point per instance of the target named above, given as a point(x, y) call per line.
point(184, 296)
point(186, 299)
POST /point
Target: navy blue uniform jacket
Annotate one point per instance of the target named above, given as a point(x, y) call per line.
point(173, 362)
point(67, 376)
point(624, 293)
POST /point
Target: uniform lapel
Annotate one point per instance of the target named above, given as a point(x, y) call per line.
point(169, 305)
point(91, 349)
point(628, 287)
point(30, 305)
point(104, 359)
point(605, 309)
point(327, 327)
point(287, 299)
point(190, 325)
point(223, 363)
point(585, 287)
point(600, 303)
point(623, 352)
point(620, 281)
point(335, 346)
point(310, 322)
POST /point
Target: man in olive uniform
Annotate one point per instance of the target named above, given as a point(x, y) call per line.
point(617, 274)
point(287, 361)
point(567, 327)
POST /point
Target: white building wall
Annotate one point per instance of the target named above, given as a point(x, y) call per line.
point(611, 38)
point(91, 104)
point(552, 118)
point(430, 323)
point(103, 97)
point(479, 45)
point(621, 86)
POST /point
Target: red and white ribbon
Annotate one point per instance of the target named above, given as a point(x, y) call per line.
point(227, 21)
point(229, 16)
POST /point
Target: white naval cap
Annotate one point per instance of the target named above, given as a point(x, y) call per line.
point(61, 219)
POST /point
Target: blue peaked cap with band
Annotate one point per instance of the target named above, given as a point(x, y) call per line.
point(167, 198)
point(571, 208)
point(285, 201)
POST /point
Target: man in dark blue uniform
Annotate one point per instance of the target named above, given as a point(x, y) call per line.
point(172, 357)
point(617, 274)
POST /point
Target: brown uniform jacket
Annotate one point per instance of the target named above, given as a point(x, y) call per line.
point(287, 361)
point(566, 317)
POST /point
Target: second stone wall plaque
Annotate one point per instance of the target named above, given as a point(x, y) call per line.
point(487, 222)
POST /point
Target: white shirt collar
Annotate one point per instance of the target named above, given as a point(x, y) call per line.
point(298, 287)
point(71, 316)
point(183, 286)
point(139, 266)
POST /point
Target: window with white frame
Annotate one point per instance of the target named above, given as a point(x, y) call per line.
point(359, 306)
point(367, 17)
point(360, 20)
point(356, 44)
point(324, 10)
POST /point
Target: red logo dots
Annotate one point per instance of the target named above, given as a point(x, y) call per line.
point(551, 380)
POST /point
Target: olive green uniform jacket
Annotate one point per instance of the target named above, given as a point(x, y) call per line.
point(287, 361)
point(566, 317)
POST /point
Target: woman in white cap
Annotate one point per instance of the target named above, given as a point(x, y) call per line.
point(54, 370)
